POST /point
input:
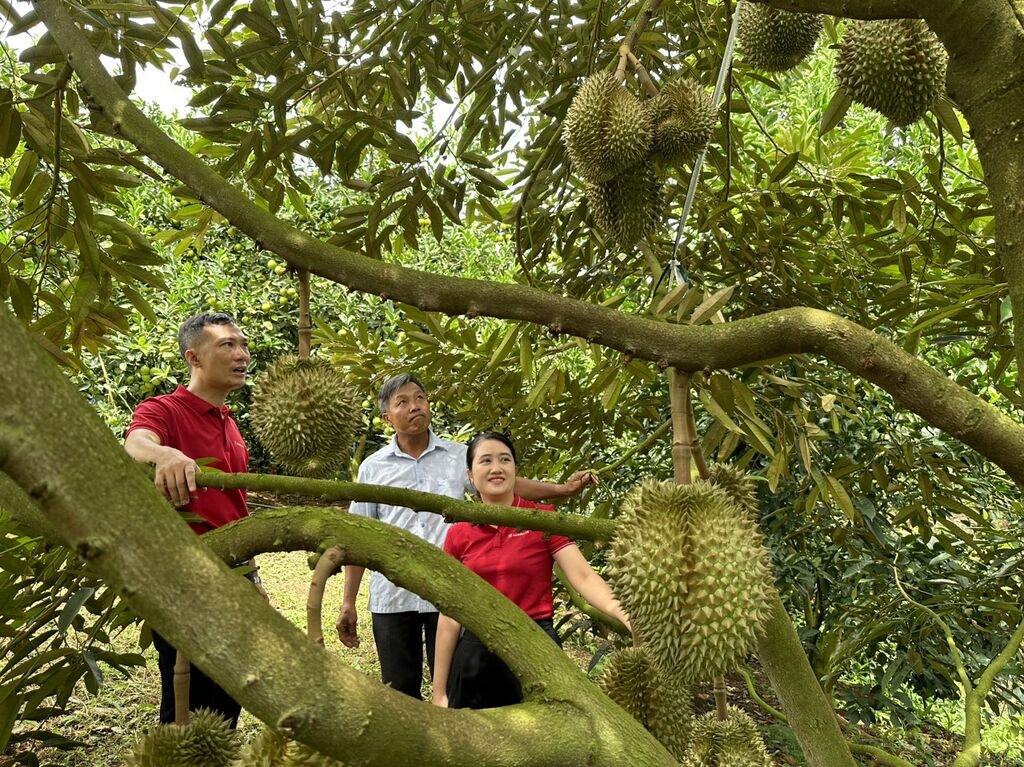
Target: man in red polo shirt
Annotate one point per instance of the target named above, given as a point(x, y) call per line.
point(172, 432)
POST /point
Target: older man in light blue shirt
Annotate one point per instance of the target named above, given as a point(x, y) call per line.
point(416, 459)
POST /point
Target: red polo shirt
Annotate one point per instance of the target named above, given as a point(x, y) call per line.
point(199, 430)
point(516, 562)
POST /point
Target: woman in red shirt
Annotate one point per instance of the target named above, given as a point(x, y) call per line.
point(517, 563)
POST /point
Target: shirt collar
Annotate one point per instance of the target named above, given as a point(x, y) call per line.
point(433, 443)
point(198, 403)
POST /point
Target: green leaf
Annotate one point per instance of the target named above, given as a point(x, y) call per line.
point(946, 114)
point(711, 305)
point(784, 166)
point(841, 497)
point(836, 110)
point(72, 608)
point(9, 707)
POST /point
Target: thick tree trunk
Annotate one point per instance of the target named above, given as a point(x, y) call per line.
point(809, 711)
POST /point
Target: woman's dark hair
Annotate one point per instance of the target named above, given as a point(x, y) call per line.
point(479, 437)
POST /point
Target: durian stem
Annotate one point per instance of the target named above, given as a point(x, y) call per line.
point(620, 70)
point(721, 698)
point(326, 566)
point(182, 674)
point(696, 451)
point(642, 76)
point(305, 324)
point(679, 396)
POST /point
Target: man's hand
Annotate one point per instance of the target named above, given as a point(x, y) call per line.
point(176, 476)
point(579, 481)
point(346, 626)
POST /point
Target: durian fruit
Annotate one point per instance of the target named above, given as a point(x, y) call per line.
point(264, 750)
point(268, 749)
point(730, 742)
point(684, 119)
point(690, 569)
point(773, 40)
point(629, 206)
point(894, 66)
point(631, 679)
point(606, 129)
point(304, 413)
point(737, 484)
point(206, 741)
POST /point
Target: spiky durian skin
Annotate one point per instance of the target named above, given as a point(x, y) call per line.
point(268, 749)
point(690, 569)
point(159, 747)
point(737, 484)
point(671, 715)
point(631, 679)
point(731, 742)
point(774, 40)
point(606, 129)
point(894, 66)
point(628, 207)
point(206, 741)
point(264, 750)
point(209, 740)
point(684, 119)
point(304, 413)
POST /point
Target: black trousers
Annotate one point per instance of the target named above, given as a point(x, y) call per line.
point(203, 692)
point(400, 640)
point(480, 679)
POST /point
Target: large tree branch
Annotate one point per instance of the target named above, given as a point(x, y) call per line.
point(131, 538)
point(570, 525)
point(859, 9)
point(913, 384)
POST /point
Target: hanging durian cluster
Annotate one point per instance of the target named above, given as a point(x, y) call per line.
point(305, 414)
point(894, 66)
point(774, 40)
point(206, 741)
point(730, 742)
point(616, 142)
point(690, 569)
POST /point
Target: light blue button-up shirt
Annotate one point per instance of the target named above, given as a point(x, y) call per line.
point(441, 469)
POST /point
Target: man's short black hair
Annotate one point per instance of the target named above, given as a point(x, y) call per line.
point(192, 329)
point(393, 384)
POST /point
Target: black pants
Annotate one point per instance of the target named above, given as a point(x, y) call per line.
point(480, 679)
point(203, 692)
point(400, 639)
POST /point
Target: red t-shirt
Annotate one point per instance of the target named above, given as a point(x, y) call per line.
point(199, 430)
point(516, 562)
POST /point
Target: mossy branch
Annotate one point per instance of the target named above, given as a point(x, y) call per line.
point(570, 525)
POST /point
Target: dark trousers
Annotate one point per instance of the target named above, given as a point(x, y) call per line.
point(203, 692)
point(480, 679)
point(400, 639)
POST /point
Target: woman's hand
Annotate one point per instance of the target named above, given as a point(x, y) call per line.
point(439, 698)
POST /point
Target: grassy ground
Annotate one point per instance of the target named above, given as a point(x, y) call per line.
point(108, 724)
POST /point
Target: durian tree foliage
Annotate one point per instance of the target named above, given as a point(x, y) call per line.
point(834, 267)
